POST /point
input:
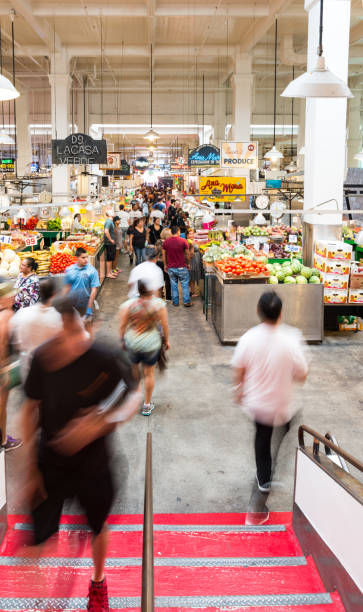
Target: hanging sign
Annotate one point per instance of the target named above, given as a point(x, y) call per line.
point(79, 149)
point(141, 163)
point(215, 187)
point(204, 156)
point(7, 165)
point(113, 162)
point(242, 155)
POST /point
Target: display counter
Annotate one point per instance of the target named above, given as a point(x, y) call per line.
point(98, 260)
point(234, 307)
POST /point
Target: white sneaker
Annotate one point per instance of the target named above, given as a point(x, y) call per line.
point(147, 409)
point(264, 488)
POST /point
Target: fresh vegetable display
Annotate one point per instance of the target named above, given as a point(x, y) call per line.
point(292, 272)
point(240, 266)
point(55, 225)
point(31, 223)
point(60, 261)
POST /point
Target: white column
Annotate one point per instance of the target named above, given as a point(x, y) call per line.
point(242, 83)
point(219, 116)
point(354, 131)
point(60, 82)
point(23, 135)
point(301, 134)
point(325, 128)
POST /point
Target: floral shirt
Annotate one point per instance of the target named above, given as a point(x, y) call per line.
point(28, 291)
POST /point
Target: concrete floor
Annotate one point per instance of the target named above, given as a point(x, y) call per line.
point(202, 443)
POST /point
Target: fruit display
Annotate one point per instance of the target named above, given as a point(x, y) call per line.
point(240, 266)
point(225, 250)
point(254, 230)
point(54, 225)
point(292, 272)
point(60, 261)
point(350, 233)
point(10, 263)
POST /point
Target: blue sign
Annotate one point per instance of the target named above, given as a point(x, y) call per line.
point(204, 156)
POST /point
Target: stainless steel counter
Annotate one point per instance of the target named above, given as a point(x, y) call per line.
point(234, 305)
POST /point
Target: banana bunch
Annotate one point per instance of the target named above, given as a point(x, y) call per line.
point(42, 258)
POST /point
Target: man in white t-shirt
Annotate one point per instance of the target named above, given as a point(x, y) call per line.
point(32, 326)
point(267, 360)
point(148, 272)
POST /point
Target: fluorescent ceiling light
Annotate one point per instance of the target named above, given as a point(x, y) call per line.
point(319, 83)
point(7, 90)
point(273, 154)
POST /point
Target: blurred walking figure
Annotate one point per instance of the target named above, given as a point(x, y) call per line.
point(144, 332)
point(149, 273)
point(7, 294)
point(76, 392)
point(267, 360)
point(82, 283)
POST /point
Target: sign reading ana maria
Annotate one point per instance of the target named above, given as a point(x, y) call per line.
point(203, 156)
point(79, 149)
point(239, 155)
point(225, 188)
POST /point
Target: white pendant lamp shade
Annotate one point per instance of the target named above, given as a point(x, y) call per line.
point(319, 83)
point(5, 138)
point(273, 154)
point(151, 135)
point(359, 156)
point(7, 90)
point(292, 167)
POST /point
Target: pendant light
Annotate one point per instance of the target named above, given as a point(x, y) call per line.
point(292, 167)
point(5, 138)
point(7, 89)
point(274, 154)
point(319, 82)
point(151, 135)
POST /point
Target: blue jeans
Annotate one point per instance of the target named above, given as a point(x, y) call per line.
point(182, 275)
point(140, 255)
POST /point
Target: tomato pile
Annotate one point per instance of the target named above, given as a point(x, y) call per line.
point(31, 223)
point(60, 261)
point(239, 266)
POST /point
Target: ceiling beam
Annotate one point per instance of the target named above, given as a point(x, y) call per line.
point(257, 31)
point(42, 29)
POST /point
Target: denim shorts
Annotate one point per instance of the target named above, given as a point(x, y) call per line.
point(149, 359)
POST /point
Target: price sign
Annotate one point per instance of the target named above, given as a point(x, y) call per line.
point(293, 238)
point(4, 239)
point(250, 240)
point(266, 249)
point(292, 248)
point(31, 241)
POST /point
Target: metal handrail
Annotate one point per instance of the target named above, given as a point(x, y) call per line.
point(147, 593)
point(329, 453)
point(320, 438)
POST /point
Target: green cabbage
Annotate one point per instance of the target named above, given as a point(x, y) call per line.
point(289, 280)
point(307, 272)
point(301, 280)
point(296, 266)
point(314, 280)
point(273, 280)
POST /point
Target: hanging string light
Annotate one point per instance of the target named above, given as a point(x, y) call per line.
point(274, 154)
point(151, 135)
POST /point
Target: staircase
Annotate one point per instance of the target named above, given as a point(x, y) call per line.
point(204, 561)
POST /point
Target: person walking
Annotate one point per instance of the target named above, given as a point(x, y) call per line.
point(110, 244)
point(266, 362)
point(176, 260)
point(195, 263)
point(118, 234)
point(76, 392)
point(32, 326)
point(124, 224)
point(141, 319)
point(82, 283)
point(154, 231)
point(148, 272)
point(27, 284)
point(138, 240)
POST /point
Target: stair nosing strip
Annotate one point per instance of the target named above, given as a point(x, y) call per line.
point(173, 528)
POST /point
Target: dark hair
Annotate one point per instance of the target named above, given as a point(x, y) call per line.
point(80, 251)
point(116, 219)
point(32, 263)
point(137, 220)
point(190, 229)
point(216, 206)
point(47, 288)
point(65, 305)
point(175, 229)
point(269, 307)
point(77, 215)
point(151, 253)
point(142, 288)
point(121, 207)
point(172, 200)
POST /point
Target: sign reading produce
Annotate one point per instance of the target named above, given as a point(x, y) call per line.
point(79, 149)
point(239, 155)
point(226, 188)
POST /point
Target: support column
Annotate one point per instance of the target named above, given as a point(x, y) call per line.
point(60, 82)
point(301, 134)
point(23, 135)
point(325, 126)
point(242, 83)
point(354, 130)
point(219, 117)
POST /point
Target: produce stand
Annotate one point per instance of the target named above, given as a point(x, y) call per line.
point(53, 236)
point(333, 311)
point(234, 307)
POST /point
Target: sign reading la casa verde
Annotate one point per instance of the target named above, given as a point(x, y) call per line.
point(79, 149)
point(203, 156)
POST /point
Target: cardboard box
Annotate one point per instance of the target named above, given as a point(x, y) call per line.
point(337, 266)
point(319, 262)
point(336, 281)
point(356, 277)
point(356, 296)
point(334, 249)
point(335, 296)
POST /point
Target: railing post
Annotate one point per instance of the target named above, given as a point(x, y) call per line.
point(147, 596)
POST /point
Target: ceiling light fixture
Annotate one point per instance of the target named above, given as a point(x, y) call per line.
point(151, 135)
point(319, 82)
point(274, 154)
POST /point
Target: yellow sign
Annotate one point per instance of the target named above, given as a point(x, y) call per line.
point(239, 155)
point(230, 187)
